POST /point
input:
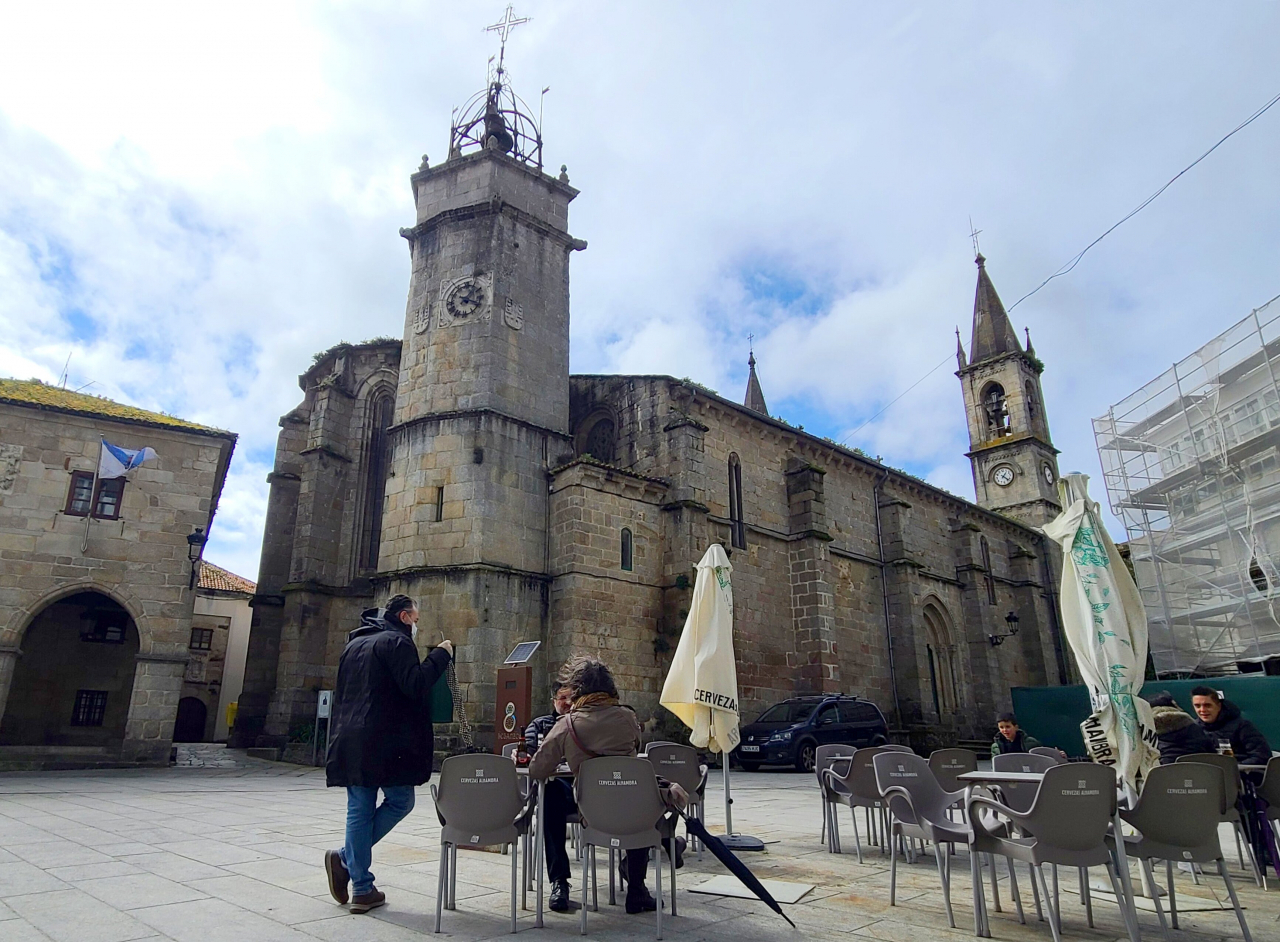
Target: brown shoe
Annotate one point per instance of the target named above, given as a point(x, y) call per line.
point(337, 874)
point(363, 902)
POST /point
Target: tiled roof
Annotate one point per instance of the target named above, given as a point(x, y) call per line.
point(43, 396)
point(219, 580)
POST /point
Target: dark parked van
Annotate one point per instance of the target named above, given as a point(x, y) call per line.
point(788, 733)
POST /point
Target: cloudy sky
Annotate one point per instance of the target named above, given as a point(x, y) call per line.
point(195, 199)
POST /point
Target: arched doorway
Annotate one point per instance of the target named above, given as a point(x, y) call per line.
point(189, 726)
point(73, 683)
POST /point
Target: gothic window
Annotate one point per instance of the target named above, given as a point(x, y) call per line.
point(987, 576)
point(737, 527)
point(597, 437)
point(940, 652)
point(1033, 407)
point(381, 408)
point(627, 550)
point(600, 441)
point(995, 409)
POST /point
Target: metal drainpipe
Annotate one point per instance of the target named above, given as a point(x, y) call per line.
point(884, 593)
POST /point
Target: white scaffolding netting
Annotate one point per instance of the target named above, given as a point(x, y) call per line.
point(1191, 463)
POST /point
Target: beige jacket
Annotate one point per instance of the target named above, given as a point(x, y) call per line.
point(611, 730)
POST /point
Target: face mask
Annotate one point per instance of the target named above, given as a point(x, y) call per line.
point(414, 633)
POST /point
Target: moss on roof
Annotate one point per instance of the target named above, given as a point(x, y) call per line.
point(43, 396)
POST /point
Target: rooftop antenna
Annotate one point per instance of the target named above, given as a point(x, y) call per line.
point(541, 99)
point(65, 367)
point(503, 28)
point(973, 234)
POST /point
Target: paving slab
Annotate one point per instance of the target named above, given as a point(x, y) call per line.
point(205, 855)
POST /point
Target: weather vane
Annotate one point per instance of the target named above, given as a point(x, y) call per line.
point(503, 28)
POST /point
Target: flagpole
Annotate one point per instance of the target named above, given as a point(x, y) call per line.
point(93, 494)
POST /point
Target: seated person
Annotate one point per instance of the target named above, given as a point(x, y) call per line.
point(557, 807)
point(1179, 734)
point(1222, 721)
point(1009, 738)
point(598, 725)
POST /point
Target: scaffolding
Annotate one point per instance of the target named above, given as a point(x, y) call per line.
point(1191, 463)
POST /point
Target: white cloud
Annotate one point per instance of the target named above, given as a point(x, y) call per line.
point(195, 201)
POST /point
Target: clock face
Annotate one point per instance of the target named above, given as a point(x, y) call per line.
point(1048, 474)
point(465, 299)
point(1003, 476)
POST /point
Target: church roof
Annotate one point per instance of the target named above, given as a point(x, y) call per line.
point(36, 394)
point(754, 399)
point(993, 335)
point(217, 579)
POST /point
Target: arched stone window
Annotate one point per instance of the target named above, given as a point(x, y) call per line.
point(1033, 407)
point(627, 551)
point(597, 437)
point(987, 576)
point(737, 525)
point(995, 410)
point(380, 411)
point(940, 650)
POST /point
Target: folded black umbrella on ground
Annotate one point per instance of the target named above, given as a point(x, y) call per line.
point(736, 866)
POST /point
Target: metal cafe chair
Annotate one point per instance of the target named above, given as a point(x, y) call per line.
point(1177, 818)
point(918, 807)
point(1269, 791)
point(478, 802)
point(856, 788)
point(679, 764)
point(825, 757)
point(1066, 825)
point(1231, 814)
point(621, 810)
point(1050, 752)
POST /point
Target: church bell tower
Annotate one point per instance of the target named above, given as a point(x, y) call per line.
point(1015, 466)
point(482, 401)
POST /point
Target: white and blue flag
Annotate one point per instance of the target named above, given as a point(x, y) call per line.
point(116, 462)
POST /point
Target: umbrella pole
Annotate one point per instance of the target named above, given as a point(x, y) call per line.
point(731, 840)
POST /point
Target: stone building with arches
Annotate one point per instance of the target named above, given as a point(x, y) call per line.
point(95, 596)
point(463, 465)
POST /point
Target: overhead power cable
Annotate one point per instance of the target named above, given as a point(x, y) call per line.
point(899, 396)
point(1148, 201)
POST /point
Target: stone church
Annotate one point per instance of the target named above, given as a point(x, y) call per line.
point(463, 465)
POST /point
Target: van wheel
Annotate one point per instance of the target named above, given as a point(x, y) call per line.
point(806, 756)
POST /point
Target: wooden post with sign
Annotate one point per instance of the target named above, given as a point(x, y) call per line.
point(514, 702)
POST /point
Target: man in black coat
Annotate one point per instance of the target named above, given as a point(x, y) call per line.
point(1221, 719)
point(382, 738)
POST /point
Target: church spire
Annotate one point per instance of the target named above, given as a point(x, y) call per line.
point(755, 396)
point(960, 361)
point(1031, 351)
point(992, 332)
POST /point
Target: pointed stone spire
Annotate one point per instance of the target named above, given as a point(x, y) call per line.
point(1031, 351)
point(960, 361)
point(993, 335)
point(755, 397)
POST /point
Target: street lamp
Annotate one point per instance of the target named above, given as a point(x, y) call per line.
point(1012, 621)
point(195, 547)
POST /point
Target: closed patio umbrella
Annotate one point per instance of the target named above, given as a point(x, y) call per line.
point(702, 686)
point(1106, 626)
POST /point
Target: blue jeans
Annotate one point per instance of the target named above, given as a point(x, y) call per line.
point(367, 824)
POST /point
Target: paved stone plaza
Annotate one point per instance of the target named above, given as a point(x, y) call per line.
point(234, 855)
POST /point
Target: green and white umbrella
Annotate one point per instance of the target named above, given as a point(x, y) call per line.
point(1106, 626)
